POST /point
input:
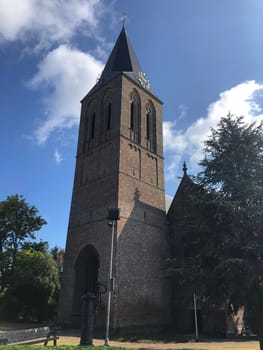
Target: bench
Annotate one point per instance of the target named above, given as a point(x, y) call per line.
point(30, 336)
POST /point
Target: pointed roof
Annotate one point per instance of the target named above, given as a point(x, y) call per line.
point(186, 187)
point(123, 59)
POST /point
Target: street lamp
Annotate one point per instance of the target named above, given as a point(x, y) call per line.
point(113, 216)
point(196, 322)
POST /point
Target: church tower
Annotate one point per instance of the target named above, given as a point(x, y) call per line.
point(119, 164)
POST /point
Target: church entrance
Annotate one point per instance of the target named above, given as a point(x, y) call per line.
point(86, 279)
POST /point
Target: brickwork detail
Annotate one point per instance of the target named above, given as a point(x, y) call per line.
point(116, 167)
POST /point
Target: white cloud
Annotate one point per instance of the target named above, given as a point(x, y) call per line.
point(168, 202)
point(180, 145)
point(58, 157)
point(48, 21)
point(183, 111)
point(66, 75)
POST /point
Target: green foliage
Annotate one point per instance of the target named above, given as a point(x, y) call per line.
point(233, 168)
point(18, 222)
point(58, 255)
point(233, 159)
point(34, 284)
point(29, 277)
point(41, 246)
point(222, 238)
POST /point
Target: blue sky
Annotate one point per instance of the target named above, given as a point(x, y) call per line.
point(203, 58)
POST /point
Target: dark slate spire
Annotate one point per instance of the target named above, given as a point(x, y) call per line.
point(123, 60)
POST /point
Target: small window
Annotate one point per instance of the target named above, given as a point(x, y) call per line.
point(93, 125)
point(132, 116)
point(135, 117)
point(109, 117)
point(148, 126)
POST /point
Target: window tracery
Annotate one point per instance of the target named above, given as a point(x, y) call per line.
point(150, 127)
point(135, 117)
point(91, 124)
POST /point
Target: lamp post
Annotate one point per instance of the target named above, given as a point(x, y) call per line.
point(113, 216)
point(196, 322)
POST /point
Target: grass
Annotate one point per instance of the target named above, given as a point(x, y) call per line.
point(151, 336)
point(65, 342)
point(154, 340)
point(165, 338)
point(61, 347)
point(71, 343)
point(188, 347)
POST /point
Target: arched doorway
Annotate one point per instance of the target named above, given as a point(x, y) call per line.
point(86, 279)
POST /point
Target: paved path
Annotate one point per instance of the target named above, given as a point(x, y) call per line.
point(251, 345)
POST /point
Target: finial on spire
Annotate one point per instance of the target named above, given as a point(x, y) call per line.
point(184, 168)
point(124, 17)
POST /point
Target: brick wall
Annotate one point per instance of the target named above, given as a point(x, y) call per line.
point(114, 171)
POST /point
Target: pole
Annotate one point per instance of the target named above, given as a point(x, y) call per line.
point(109, 288)
point(196, 323)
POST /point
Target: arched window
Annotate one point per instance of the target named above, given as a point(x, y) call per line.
point(86, 127)
point(93, 123)
point(109, 117)
point(90, 125)
point(150, 127)
point(135, 117)
point(132, 116)
point(148, 121)
point(106, 116)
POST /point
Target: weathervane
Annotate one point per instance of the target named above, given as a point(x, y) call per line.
point(184, 168)
point(124, 17)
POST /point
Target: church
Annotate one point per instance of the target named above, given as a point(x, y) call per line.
point(120, 164)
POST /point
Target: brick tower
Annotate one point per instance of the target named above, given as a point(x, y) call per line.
point(119, 164)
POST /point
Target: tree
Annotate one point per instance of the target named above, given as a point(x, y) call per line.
point(224, 225)
point(34, 285)
point(41, 246)
point(18, 222)
point(58, 256)
point(233, 160)
point(233, 169)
